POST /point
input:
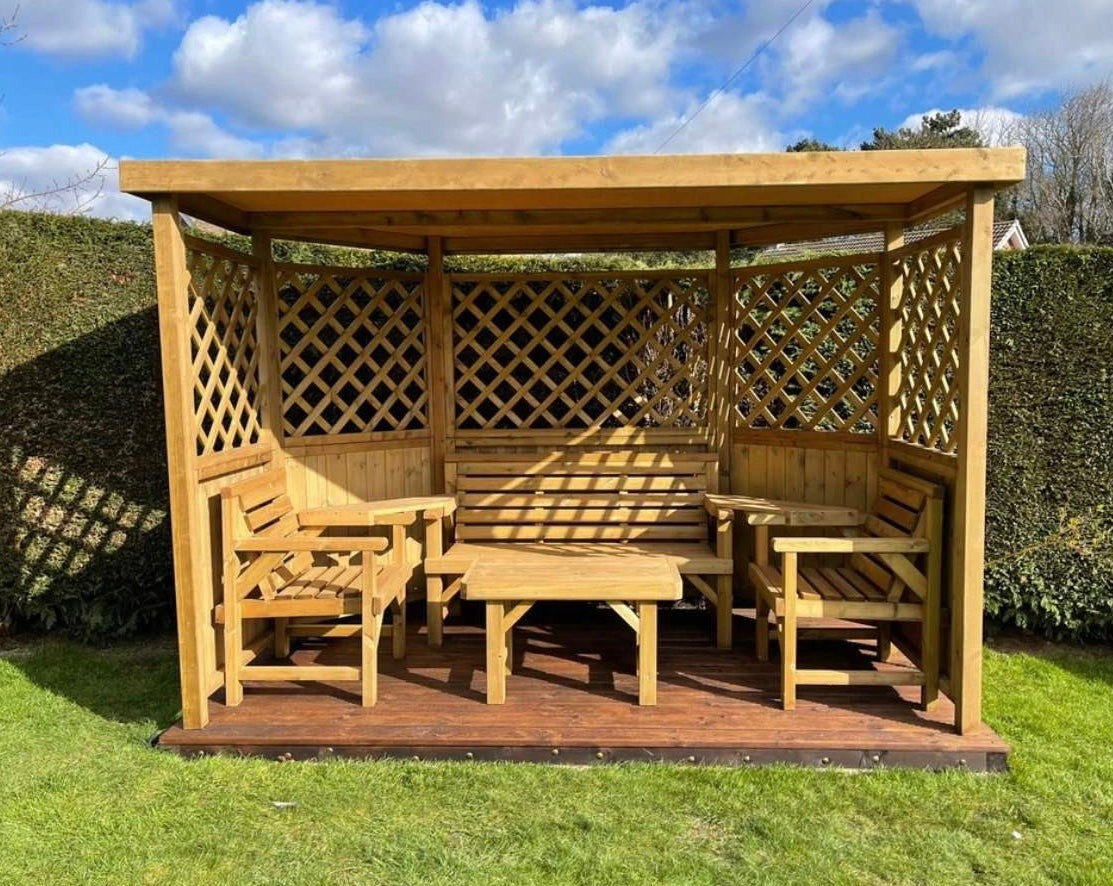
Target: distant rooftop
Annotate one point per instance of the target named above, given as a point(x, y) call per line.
point(1006, 235)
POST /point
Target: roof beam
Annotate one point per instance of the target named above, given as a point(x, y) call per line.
point(460, 220)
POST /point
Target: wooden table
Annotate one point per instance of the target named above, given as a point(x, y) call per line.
point(378, 513)
point(761, 513)
point(631, 586)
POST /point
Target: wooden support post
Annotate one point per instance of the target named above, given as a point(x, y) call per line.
point(187, 521)
point(434, 584)
point(371, 624)
point(721, 362)
point(968, 506)
point(434, 361)
point(647, 653)
point(496, 653)
point(788, 633)
point(889, 336)
point(266, 335)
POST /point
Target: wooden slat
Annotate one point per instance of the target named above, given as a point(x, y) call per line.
point(559, 532)
point(557, 514)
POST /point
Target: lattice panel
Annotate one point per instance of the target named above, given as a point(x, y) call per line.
point(351, 350)
point(928, 400)
point(224, 350)
point(605, 351)
point(807, 347)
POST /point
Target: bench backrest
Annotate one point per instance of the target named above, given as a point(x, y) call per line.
point(905, 506)
point(611, 496)
point(260, 505)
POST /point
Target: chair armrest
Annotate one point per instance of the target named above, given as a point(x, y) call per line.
point(775, 512)
point(319, 544)
point(851, 545)
point(385, 512)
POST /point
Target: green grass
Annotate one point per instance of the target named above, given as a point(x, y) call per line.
point(83, 799)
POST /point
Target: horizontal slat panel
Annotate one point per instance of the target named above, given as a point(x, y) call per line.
point(581, 468)
point(564, 500)
point(579, 533)
point(582, 515)
point(579, 484)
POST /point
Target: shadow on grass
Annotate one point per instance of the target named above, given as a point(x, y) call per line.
point(134, 682)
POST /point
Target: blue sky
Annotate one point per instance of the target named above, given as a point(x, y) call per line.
point(91, 79)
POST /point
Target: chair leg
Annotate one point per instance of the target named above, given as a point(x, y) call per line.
point(761, 626)
point(724, 614)
point(233, 654)
point(434, 609)
point(929, 657)
point(281, 638)
point(884, 641)
point(788, 661)
point(372, 630)
point(398, 628)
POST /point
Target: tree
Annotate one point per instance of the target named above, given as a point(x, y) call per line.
point(1067, 196)
point(938, 130)
point(810, 144)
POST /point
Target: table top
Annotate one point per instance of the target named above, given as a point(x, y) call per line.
point(777, 512)
point(374, 513)
point(571, 577)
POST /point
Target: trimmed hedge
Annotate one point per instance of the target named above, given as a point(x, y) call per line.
point(84, 539)
point(1050, 510)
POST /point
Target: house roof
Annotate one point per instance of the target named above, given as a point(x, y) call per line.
point(874, 241)
point(575, 203)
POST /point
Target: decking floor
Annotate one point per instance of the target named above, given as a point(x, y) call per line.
point(572, 697)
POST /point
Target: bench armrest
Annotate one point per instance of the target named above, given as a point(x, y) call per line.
point(319, 544)
point(851, 545)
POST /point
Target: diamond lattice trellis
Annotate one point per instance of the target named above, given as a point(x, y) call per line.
point(929, 312)
point(351, 351)
point(224, 351)
point(807, 347)
point(580, 352)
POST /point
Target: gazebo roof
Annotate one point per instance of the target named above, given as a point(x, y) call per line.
point(575, 203)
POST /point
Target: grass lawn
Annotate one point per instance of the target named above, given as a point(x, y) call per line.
point(82, 799)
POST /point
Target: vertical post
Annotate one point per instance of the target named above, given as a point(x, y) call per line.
point(266, 334)
point(186, 519)
point(434, 360)
point(496, 652)
point(968, 507)
point(888, 340)
point(721, 364)
point(647, 652)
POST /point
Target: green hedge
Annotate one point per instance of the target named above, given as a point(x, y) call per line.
point(1050, 509)
point(84, 541)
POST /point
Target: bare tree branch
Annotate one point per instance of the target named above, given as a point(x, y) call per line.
point(71, 196)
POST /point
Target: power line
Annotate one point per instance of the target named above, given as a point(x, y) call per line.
point(738, 72)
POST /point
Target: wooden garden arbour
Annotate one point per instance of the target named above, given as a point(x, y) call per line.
point(241, 364)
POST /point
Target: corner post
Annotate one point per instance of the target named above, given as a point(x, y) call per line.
point(721, 364)
point(889, 369)
point(434, 360)
point(186, 518)
point(266, 334)
point(968, 532)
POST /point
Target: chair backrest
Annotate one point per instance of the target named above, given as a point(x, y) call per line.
point(260, 506)
point(567, 495)
point(905, 507)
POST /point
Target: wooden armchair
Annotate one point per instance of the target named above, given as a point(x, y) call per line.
point(278, 565)
point(892, 572)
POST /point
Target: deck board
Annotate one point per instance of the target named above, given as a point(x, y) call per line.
point(573, 698)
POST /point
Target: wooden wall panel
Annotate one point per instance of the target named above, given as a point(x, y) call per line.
point(814, 471)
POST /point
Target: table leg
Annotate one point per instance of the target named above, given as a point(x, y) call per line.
point(647, 653)
point(496, 653)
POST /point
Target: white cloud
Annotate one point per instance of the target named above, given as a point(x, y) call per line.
point(66, 178)
point(121, 108)
point(730, 123)
point(1029, 46)
point(90, 28)
point(435, 79)
point(817, 57)
point(994, 123)
point(191, 132)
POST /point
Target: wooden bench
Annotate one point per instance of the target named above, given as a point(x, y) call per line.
point(631, 587)
point(892, 573)
point(616, 503)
